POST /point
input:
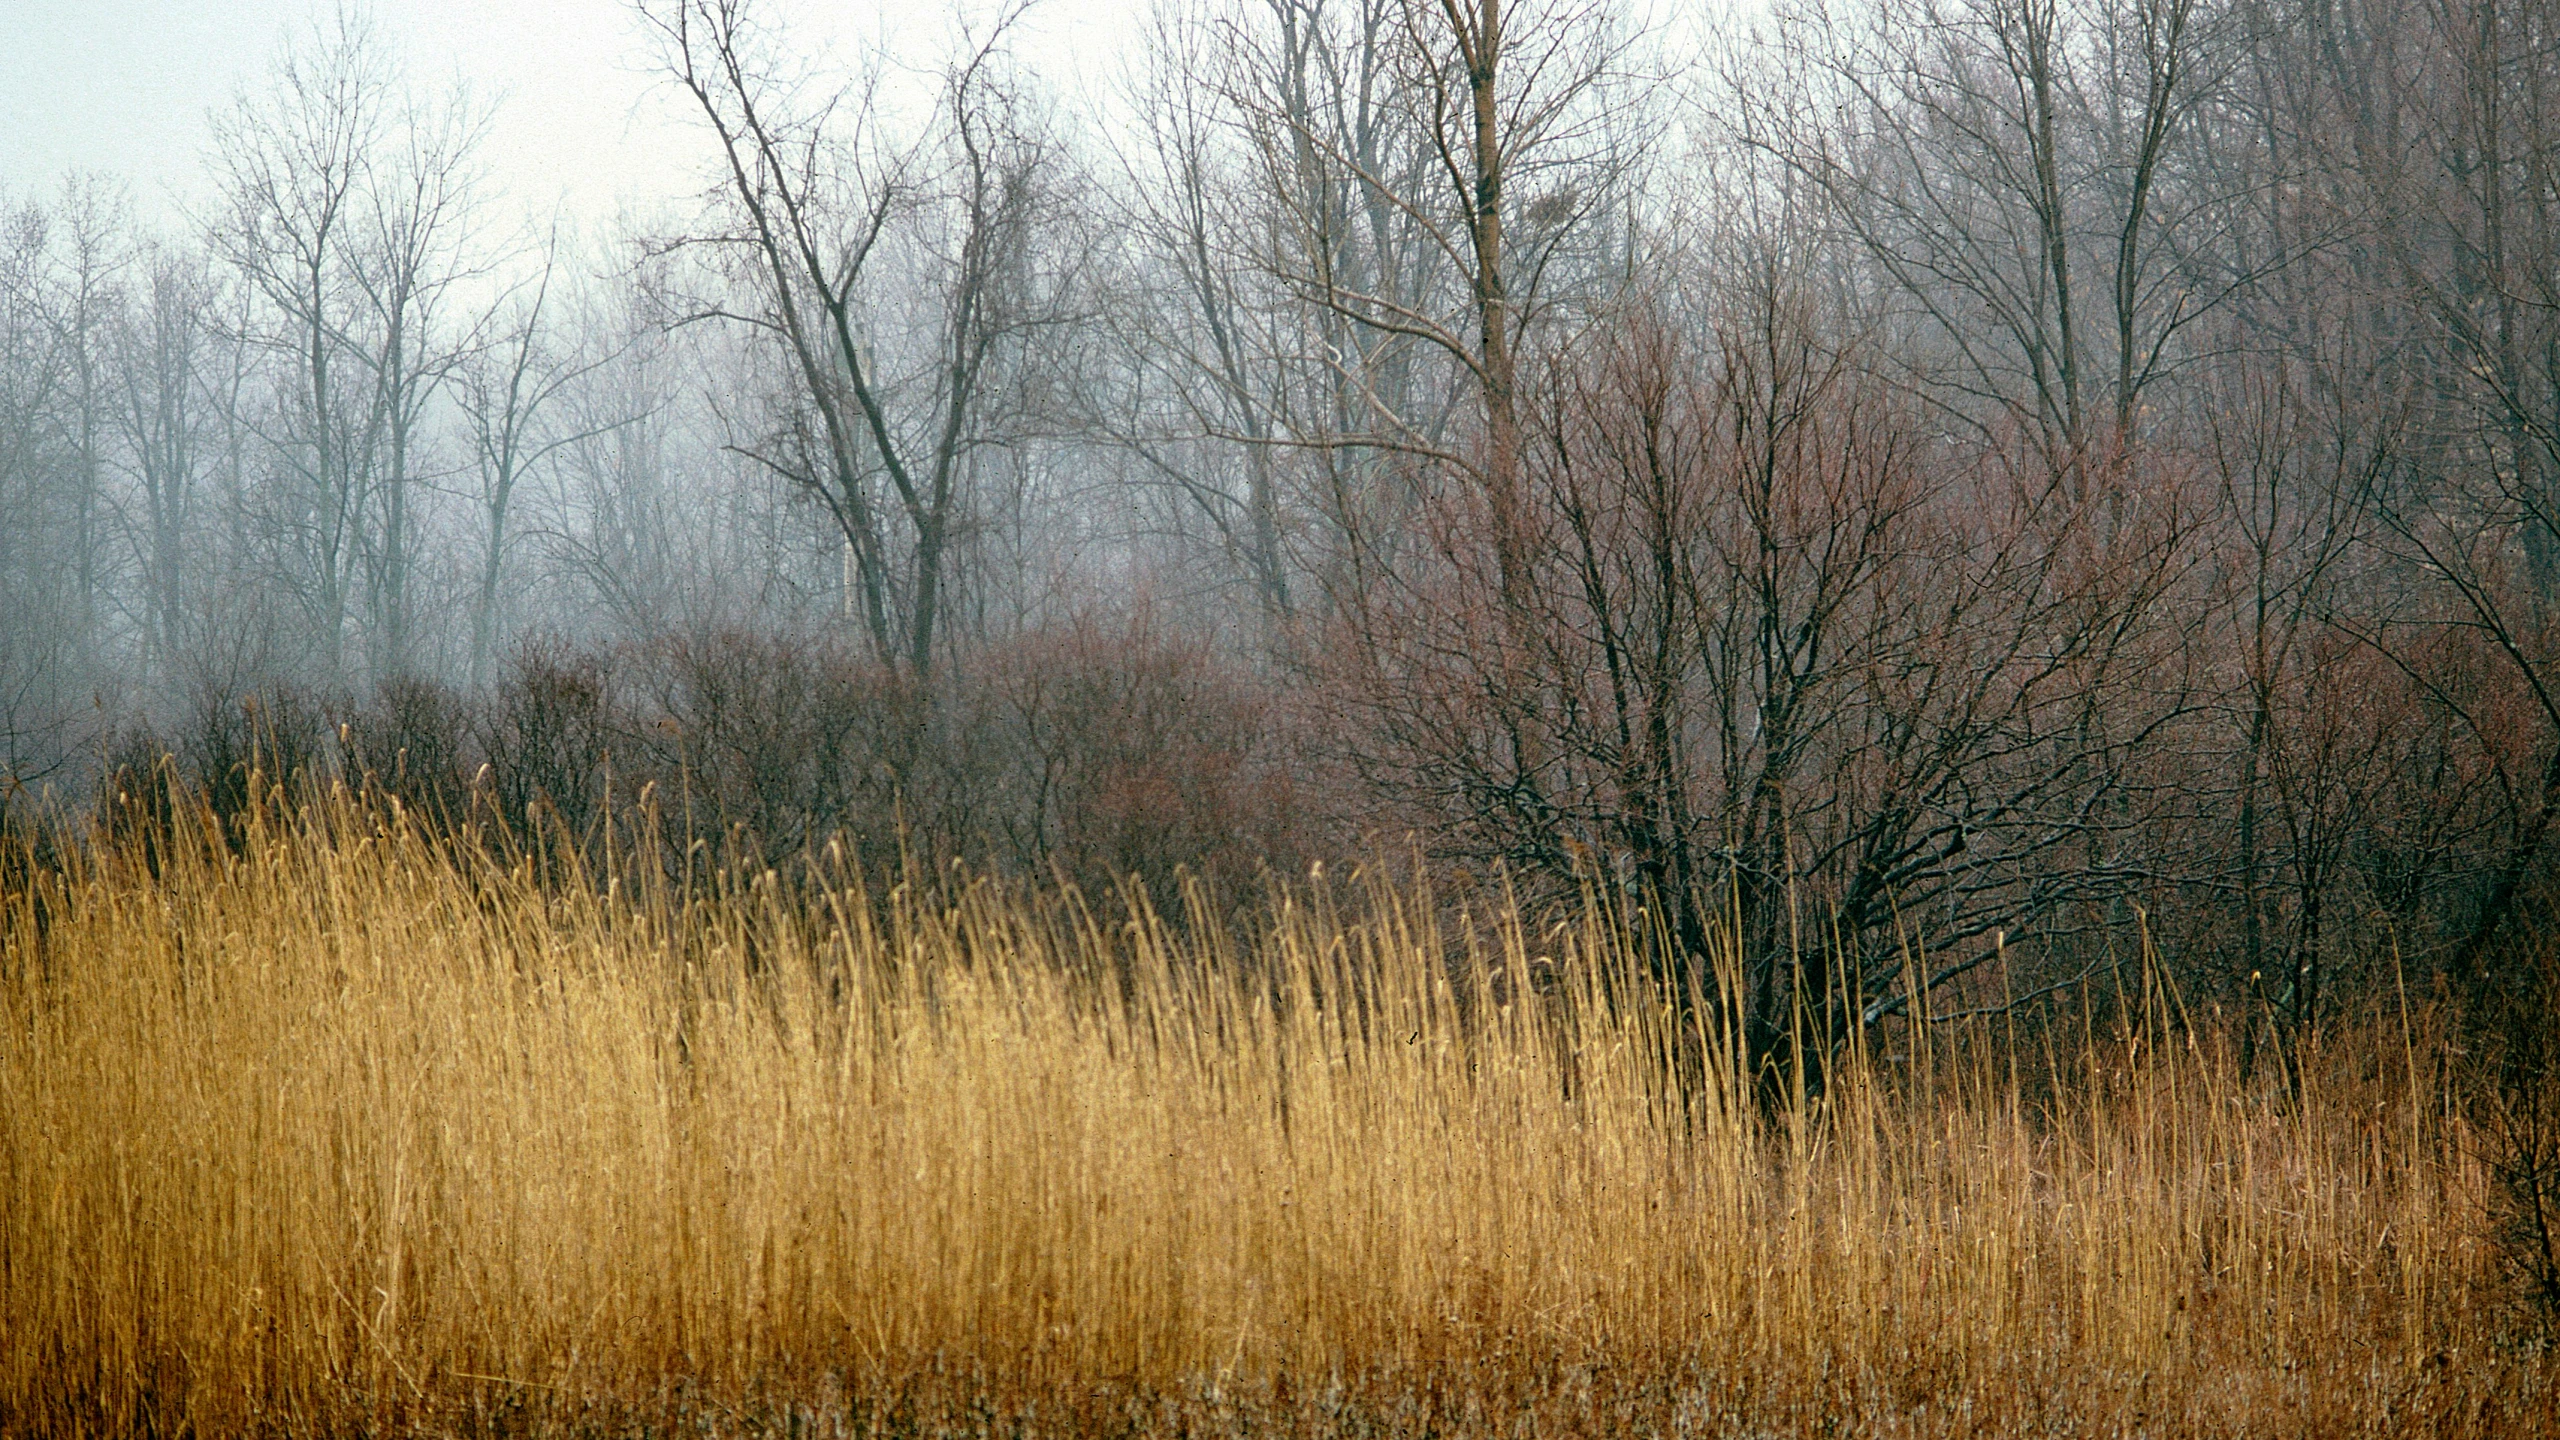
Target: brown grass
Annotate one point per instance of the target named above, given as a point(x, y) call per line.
point(349, 1134)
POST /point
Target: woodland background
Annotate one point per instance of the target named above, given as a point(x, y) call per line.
point(2034, 484)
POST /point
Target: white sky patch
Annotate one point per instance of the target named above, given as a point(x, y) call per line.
point(124, 87)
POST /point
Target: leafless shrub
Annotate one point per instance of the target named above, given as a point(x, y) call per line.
point(545, 739)
point(1138, 754)
point(413, 742)
point(779, 742)
point(1093, 751)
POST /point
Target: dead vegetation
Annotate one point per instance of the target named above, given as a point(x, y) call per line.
point(344, 1130)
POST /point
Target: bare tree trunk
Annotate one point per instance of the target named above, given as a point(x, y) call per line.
point(814, 221)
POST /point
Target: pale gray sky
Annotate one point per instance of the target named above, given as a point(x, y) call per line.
point(124, 86)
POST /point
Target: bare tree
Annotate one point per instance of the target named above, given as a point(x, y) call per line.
point(2320, 717)
point(818, 204)
point(1782, 673)
point(93, 218)
point(290, 167)
point(512, 392)
point(172, 364)
point(414, 248)
point(36, 650)
point(1198, 392)
point(611, 519)
point(346, 207)
point(1408, 146)
point(2445, 136)
point(1997, 162)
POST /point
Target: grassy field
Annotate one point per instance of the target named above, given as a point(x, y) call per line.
point(346, 1134)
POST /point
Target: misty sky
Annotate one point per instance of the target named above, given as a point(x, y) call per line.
point(124, 86)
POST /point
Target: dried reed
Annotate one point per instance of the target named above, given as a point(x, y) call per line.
point(340, 1130)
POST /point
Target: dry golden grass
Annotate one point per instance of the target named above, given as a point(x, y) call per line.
point(348, 1134)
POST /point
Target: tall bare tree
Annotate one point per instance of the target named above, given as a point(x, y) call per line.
point(2005, 166)
point(94, 221)
point(822, 213)
point(512, 393)
point(345, 206)
point(173, 383)
point(1200, 391)
point(1412, 172)
point(415, 246)
point(37, 653)
point(290, 164)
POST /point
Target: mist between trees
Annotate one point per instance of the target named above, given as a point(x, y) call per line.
point(2015, 483)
